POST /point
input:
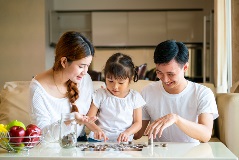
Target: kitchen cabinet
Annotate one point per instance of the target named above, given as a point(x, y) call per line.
point(185, 26)
point(61, 22)
point(138, 28)
point(110, 28)
point(146, 28)
point(129, 28)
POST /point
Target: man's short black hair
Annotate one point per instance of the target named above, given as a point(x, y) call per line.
point(169, 50)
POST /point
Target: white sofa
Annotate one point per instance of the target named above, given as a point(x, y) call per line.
point(14, 105)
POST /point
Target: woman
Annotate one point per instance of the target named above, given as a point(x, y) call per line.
point(65, 88)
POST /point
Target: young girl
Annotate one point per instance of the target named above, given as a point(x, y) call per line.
point(119, 108)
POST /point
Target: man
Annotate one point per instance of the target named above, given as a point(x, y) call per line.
point(178, 110)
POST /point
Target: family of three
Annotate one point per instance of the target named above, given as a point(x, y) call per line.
point(172, 109)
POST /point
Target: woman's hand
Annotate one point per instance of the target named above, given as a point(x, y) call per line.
point(82, 119)
point(99, 134)
point(123, 137)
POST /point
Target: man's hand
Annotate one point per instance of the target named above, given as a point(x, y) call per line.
point(160, 124)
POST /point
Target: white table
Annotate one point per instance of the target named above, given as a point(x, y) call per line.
point(173, 151)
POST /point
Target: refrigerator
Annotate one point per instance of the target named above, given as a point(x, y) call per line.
point(201, 55)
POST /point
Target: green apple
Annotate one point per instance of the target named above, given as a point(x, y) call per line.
point(17, 147)
point(15, 123)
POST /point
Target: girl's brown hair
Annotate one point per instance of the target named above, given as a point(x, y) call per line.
point(74, 46)
point(121, 66)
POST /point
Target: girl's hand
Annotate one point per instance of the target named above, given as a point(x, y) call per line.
point(99, 134)
point(82, 119)
point(123, 137)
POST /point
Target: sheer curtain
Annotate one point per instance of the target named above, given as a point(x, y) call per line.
point(223, 45)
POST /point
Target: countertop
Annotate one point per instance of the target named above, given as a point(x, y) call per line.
point(173, 151)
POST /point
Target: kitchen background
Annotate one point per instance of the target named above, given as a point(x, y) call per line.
point(30, 29)
point(136, 29)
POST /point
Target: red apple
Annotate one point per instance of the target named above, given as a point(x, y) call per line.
point(16, 134)
point(33, 132)
point(32, 129)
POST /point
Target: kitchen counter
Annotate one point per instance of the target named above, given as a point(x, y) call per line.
point(173, 151)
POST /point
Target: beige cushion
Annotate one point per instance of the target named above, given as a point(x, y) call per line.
point(14, 102)
point(98, 84)
point(235, 88)
point(139, 85)
point(228, 108)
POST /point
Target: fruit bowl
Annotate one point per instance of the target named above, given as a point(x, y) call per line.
point(11, 144)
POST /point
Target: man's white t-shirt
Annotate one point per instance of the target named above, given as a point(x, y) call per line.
point(46, 110)
point(189, 104)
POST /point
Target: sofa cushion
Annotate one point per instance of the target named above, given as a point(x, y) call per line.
point(14, 102)
point(228, 108)
point(139, 85)
point(98, 84)
point(235, 88)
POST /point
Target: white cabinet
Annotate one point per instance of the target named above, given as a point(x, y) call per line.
point(185, 26)
point(110, 28)
point(130, 28)
point(61, 22)
point(146, 28)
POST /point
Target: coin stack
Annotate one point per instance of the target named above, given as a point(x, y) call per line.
point(150, 139)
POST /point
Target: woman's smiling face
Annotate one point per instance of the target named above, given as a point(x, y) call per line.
point(77, 69)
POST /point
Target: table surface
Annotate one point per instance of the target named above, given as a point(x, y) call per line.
point(173, 151)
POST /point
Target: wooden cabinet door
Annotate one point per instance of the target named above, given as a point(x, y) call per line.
point(146, 28)
point(109, 28)
point(185, 26)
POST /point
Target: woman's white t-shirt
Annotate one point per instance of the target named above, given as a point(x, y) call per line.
point(46, 110)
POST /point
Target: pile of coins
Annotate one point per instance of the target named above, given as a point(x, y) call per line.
point(68, 140)
point(111, 147)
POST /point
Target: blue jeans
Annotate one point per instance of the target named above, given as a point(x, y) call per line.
point(82, 138)
point(93, 140)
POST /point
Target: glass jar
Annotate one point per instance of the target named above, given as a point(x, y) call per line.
point(68, 130)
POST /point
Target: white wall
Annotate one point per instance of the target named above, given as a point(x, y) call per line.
point(22, 42)
point(50, 51)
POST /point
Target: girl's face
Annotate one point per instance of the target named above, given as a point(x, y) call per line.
point(172, 76)
point(118, 87)
point(77, 69)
